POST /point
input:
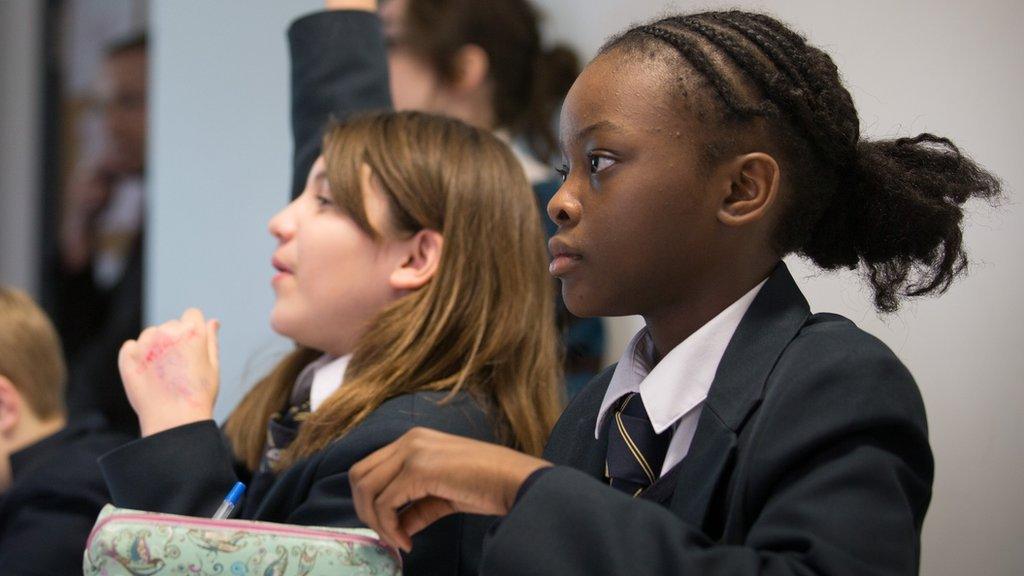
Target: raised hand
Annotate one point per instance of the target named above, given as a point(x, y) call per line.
point(171, 373)
point(367, 5)
point(426, 475)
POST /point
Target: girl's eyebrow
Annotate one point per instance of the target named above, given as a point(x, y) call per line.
point(601, 126)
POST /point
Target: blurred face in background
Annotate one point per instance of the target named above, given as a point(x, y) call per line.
point(123, 97)
point(415, 83)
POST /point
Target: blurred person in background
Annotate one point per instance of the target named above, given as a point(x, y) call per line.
point(51, 488)
point(99, 295)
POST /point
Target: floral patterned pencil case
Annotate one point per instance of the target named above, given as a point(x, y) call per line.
point(137, 543)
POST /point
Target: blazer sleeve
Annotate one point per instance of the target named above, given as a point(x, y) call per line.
point(185, 470)
point(451, 545)
point(838, 476)
point(329, 501)
point(339, 67)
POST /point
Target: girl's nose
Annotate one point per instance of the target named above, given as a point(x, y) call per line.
point(282, 224)
point(564, 208)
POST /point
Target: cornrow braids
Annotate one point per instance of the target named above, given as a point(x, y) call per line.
point(766, 41)
point(786, 93)
point(703, 64)
point(892, 208)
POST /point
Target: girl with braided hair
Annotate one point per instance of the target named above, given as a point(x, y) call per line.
point(739, 433)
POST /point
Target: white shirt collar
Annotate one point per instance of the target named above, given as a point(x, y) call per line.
point(680, 382)
point(328, 374)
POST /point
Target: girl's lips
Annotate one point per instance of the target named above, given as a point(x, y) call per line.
point(282, 270)
point(562, 264)
point(563, 256)
point(279, 265)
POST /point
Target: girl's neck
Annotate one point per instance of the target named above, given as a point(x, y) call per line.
point(677, 321)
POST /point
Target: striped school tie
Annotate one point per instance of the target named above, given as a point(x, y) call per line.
point(284, 425)
point(635, 452)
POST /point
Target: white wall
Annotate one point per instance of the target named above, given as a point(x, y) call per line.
point(20, 97)
point(951, 68)
point(220, 161)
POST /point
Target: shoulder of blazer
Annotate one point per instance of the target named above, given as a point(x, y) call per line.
point(833, 360)
point(460, 415)
point(70, 476)
point(457, 413)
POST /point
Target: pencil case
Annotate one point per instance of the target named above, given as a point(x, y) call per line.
point(131, 542)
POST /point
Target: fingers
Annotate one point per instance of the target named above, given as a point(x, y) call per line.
point(212, 342)
point(401, 492)
point(426, 475)
point(367, 5)
point(193, 317)
point(423, 513)
point(393, 482)
point(147, 335)
point(126, 357)
point(369, 477)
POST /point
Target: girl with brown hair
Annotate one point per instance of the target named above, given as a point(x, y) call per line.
point(402, 317)
point(481, 62)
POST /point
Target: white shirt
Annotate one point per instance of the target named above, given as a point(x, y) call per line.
point(674, 390)
point(117, 227)
point(328, 374)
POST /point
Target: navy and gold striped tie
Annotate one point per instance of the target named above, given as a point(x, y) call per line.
point(635, 452)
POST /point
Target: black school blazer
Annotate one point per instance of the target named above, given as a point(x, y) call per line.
point(811, 456)
point(189, 470)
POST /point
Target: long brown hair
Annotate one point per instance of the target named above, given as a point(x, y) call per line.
point(484, 324)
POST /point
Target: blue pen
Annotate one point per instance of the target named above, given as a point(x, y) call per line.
point(230, 501)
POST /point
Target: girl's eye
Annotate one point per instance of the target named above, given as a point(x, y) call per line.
point(323, 201)
point(563, 171)
point(599, 163)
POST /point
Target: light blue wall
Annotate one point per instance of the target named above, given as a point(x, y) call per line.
point(220, 161)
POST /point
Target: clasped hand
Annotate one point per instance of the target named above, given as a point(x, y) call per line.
point(171, 373)
point(426, 475)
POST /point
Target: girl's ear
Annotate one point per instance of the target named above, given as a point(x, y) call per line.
point(471, 66)
point(11, 406)
point(753, 186)
point(422, 255)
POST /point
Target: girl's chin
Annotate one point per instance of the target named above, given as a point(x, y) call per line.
point(279, 324)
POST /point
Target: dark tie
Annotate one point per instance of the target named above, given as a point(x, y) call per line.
point(635, 452)
point(284, 425)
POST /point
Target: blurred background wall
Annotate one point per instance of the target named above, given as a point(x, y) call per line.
point(219, 162)
point(20, 149)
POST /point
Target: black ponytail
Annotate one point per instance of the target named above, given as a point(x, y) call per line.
point(892, 208)
point(900, 217)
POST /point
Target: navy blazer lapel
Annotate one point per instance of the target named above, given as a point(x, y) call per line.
point(572, 441)
point(711, 452)
point(773, 320)
point(594, 454)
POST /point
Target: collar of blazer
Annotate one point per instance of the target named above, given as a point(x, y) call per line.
point(771, 322)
